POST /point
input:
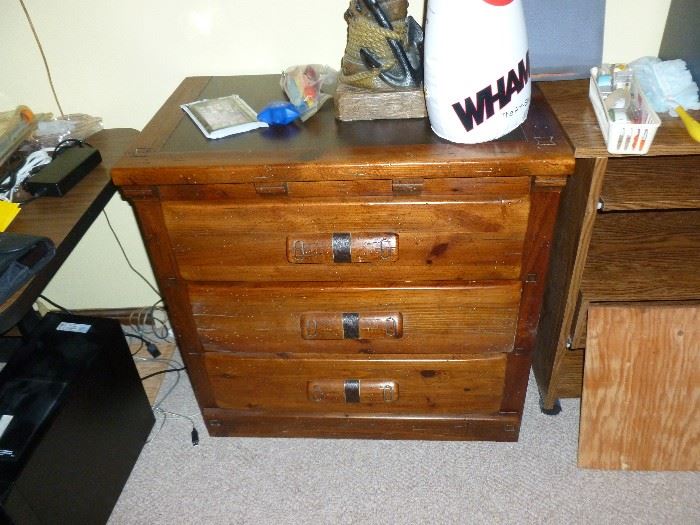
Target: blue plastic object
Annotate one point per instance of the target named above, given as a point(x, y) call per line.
point(279, 113)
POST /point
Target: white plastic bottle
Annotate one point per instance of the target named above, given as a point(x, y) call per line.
point(477, 68)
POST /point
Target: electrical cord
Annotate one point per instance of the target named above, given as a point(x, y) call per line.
point(34, 197)
point(161, 328)
point(149, 345)
point(194, 434)
point(142, 345)
point(34, 162)
point(17, 176)
point(163, 372)
point(167, 414)
point(175, 366)
point(57, 150)
point(54, 304)
point(126, 257)
point(9, 169)
point(43, 55)
point(67, 144)
point(147, 322)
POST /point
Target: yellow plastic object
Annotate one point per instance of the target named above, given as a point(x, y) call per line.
point(8, 211)
point(692, 125)
point(26, 113)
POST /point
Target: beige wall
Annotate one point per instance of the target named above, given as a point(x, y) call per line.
point(633, 28)
point(120, 60)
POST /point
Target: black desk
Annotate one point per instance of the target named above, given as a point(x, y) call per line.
point(64, 220)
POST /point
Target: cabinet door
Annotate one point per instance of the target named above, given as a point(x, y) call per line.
point(641, 389)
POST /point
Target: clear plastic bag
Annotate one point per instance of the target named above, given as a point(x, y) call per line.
point(308, 87)
point(78, 126)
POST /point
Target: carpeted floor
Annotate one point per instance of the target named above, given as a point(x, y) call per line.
point(310, 481)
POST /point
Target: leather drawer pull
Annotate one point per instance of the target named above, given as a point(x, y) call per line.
point(352, 391)
point(351, 326)
point(343, 248)
point(338, 326)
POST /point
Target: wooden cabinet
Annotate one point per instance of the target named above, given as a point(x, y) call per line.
point(349, 279)
point(628, 232)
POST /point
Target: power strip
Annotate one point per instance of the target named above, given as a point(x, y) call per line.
point(57, 177)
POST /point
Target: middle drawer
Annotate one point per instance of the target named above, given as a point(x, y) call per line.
point(356, 318)
point(361, 239)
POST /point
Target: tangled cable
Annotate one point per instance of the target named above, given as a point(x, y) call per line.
point(17, 177)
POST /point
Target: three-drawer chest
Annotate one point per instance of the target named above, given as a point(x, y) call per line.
point(349, 279)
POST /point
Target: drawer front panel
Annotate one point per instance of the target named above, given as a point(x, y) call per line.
point(356, 385)
point(648, 183)
point(640, 256)
point(643, 256)
point(315, 240)
point(335, 318)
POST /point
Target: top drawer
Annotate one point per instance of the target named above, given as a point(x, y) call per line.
point(428, 237)
point(652, 183)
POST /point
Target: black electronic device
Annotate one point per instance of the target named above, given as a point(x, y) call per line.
point(73, 420)
point(68, 167)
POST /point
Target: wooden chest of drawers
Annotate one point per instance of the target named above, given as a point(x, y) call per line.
point(628, 232)
point(361, 279)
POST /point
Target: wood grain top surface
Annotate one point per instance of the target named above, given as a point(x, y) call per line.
point(569, 100)
point(172, 150)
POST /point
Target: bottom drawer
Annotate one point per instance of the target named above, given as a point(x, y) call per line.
point(357, 384)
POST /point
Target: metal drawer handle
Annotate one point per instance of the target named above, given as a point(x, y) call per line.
point(351, 325)
point(343, 248)
point(352, 391)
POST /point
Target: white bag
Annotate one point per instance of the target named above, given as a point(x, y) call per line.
point(477, 68)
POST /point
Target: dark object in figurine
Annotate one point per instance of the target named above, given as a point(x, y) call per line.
point(384, 46)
